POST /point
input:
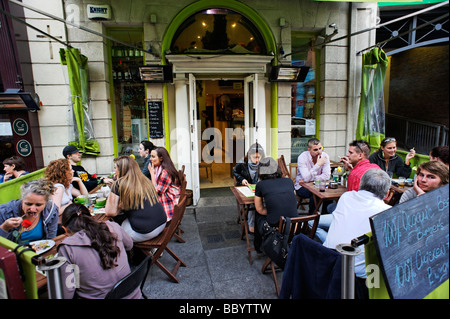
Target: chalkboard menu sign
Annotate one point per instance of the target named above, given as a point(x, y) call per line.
point(155, 119)
point(412, 243)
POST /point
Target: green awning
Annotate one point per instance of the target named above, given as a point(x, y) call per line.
point(370, 126)
point(77, 66)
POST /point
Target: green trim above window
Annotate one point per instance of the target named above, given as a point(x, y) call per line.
point(243, 9)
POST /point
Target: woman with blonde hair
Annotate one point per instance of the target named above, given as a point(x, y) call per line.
point(134, 195)
point(32, 217)
point(59, 173)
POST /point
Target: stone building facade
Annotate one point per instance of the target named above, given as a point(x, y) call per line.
point(337, 71)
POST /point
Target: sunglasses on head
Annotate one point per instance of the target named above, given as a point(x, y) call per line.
point(390, 139)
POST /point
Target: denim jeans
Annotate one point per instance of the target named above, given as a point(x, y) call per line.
point(323, 226)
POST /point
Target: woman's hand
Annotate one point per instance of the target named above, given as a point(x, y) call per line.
point(108, 181)
point(410, 155)
point(7, 177)
point(82, 191)
point(152, 170)
point(244, 182)
point(11, 223)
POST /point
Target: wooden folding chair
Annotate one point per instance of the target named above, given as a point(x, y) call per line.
point(300, 200)
point(283, 167)
point(298, 225)
point(179, 230)
point(161, 242)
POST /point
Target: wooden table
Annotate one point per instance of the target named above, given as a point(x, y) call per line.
point(397, 192)
point(319, 197)
point(244, 204)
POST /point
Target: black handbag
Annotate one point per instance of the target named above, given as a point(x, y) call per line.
point(275, 244)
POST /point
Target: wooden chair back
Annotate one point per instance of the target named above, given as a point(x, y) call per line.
point(283, 167)
point(179, 231)
point(298, 225)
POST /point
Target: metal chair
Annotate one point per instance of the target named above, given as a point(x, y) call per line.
point(133, 280)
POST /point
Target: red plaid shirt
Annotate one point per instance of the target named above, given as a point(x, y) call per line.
point(168, 192)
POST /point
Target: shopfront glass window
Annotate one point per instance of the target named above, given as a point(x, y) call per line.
point(303, 100)
point(6, 140)
point(219, 30)
point(129, 92)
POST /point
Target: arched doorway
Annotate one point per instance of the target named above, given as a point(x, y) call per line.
point(245, 49)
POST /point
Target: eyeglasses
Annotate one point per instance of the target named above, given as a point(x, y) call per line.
point(390, 139)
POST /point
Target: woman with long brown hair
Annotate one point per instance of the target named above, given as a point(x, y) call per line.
point(134, 195)
point(165, 179)
point(96, 255)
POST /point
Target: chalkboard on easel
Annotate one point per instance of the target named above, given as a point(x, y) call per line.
point(412, 243)
point(155, 119)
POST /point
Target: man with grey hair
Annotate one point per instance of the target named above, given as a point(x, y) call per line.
point(350, 219)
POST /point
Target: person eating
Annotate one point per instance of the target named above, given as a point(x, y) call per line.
point(32, 217)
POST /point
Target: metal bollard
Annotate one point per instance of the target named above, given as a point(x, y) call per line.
point(348, 253)
point(52, 269)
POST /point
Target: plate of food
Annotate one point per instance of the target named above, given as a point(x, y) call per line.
point(41, 246)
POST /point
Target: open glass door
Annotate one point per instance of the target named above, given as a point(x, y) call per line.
point(251, 110)
point(194, 140)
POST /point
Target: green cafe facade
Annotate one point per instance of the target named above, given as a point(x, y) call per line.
point(189, 75)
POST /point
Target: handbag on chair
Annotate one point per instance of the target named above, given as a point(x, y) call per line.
point(275, 245)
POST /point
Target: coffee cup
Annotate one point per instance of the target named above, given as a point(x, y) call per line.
point(80, 199)
point(100, 202)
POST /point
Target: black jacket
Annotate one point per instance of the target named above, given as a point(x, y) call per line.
point(395, 165)
point(241, 172)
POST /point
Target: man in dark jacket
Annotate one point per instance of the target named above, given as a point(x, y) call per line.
point(74, 156)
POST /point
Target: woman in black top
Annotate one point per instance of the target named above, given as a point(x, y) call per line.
point(274, 197)
point(388, 161)
point(145, 147)
point(247, 172)
point(133, 195)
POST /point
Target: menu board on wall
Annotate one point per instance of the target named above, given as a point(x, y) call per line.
point(155, 119)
